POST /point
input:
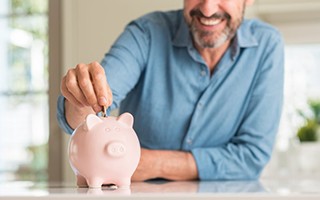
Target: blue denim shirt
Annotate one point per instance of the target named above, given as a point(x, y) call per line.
point(228, 121)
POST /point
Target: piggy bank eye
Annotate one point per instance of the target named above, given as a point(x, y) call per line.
point(107, 129)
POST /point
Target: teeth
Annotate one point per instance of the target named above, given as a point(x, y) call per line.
point(210, 22)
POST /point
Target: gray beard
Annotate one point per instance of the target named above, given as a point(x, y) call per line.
point(227, 34)
point(213, 43)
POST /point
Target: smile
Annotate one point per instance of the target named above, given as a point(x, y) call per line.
point(209, 22)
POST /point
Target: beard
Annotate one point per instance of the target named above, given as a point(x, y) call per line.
point(213, 39)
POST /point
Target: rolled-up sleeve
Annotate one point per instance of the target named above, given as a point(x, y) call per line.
point(61, 116)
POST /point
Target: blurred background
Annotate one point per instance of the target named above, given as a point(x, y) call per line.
point(41, 39)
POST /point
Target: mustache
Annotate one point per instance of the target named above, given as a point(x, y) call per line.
point(197, 13)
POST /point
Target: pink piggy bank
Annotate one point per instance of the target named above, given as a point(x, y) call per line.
point(104, 150)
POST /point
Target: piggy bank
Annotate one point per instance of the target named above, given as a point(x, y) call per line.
point(104, 150)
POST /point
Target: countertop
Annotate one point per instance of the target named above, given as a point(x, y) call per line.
point(263, 189)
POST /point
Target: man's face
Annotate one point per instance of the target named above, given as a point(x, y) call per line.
point(213, 22)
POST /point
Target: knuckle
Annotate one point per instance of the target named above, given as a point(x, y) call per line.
point(70, 83)
point(84, 83)
point(95, 64)
point(99, 77)
point(80, 66)
point(70, 72)
point(96, 68)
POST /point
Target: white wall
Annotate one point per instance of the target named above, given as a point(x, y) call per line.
point(90, 27)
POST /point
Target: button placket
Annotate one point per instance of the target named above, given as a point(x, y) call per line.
point(203, 72)
point(189, 141)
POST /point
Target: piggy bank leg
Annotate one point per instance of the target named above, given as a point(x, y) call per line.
point(124, 182)
point(95, 182)
point(81, 181)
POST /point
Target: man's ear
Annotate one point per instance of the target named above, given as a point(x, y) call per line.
point(249, 2)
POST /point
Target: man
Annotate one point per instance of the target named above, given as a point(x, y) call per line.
point(204, 85)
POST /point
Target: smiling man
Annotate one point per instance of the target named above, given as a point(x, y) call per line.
point(205, 87)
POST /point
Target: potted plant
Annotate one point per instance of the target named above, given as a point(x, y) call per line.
point(309, 132)
point(309, 136)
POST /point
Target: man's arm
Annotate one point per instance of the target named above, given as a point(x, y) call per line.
point(76, 115)
point(171, 165)
point(86, 90)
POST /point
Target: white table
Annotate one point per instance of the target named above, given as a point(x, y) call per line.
point(293, 189)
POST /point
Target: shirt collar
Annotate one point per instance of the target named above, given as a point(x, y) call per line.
point(182, 37)
point(244, 35)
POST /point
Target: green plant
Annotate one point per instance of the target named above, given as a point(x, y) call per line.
point(310, 130)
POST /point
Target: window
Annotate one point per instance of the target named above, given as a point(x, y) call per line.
point(302, 84)
point(23, 89)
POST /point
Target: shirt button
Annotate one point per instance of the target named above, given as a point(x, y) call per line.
point(189, 141)
point(203, 73)
point(200, 105)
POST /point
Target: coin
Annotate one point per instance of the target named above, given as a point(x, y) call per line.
point(104, 111)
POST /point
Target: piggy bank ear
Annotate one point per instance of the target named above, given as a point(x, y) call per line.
point(126, 118)
point(91, 121)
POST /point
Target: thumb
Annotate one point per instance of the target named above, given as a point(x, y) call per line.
point(105, 97)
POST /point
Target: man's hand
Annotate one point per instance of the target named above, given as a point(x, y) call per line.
point(171, 165)
point(86, 90)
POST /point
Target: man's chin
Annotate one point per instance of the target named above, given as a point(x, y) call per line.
point(211, 43)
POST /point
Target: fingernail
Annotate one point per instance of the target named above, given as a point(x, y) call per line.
point(103, 101)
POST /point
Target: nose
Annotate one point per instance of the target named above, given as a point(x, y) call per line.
point(209, 7)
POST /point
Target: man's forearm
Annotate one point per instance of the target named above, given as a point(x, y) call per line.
point(75, 115)
point(178, 165)
point(172, 165)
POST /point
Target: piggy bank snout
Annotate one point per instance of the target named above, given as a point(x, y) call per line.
point(116, 149)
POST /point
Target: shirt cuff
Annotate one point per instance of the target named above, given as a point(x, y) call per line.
point(206, 168)
point(61, 117)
